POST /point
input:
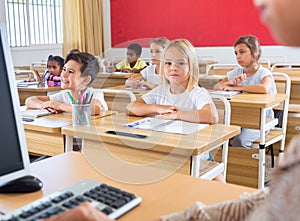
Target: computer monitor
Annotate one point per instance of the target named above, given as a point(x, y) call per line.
point(14, 159)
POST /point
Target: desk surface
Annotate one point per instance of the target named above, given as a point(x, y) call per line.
point(196, 142)
point(173, 193)
point(256, 100)
point(37, 89)
point(54, 122)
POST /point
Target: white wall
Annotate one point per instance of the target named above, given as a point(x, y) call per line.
point(226, 55)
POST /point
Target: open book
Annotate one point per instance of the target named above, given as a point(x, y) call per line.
point(225, 93)
point(35, 113)
point(167, 126)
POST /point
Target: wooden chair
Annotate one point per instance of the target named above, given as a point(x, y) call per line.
point(117, 100)
point(219, 69)
point(247, 166)
point(210, 169)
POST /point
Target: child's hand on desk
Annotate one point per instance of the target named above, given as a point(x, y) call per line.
point(126, 70)
point(230, 88)
point(168, 116)
point(133, 83)
point(83, 212)
point(167, 112)
point(51, 106)
point(238, 79)
point(148, 85)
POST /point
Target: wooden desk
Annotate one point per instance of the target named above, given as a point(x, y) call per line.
point(25, 92)
point(293, 124)
point(43, 135)
point(174, 193)
point(295, 88)
point(249, 111)
point(136, 92)
point(171, 151)
point(203, 63)
point(105, 80)
point(119, 101)
point(209, 81)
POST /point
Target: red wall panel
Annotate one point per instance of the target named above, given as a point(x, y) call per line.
point(203, 22)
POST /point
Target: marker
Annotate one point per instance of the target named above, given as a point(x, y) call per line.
point(134, 124)
point(71, 98)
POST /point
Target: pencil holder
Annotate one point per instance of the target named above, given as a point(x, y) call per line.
point(81, 114)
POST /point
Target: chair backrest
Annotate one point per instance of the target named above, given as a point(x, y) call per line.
point(223, 108)
point(204, 61)
point(283, 85)
point(265, 62)
point(24, 74)
point(40, 67)
point(117, 100)
point(291, 69)
point(27, 74)
point(219, 69)
point(224, 112)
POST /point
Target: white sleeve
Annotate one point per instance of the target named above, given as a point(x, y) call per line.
point(98, 95)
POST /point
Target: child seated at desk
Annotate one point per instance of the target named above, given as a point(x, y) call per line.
point(55, 66)
point(150, 77)
point(179, 97)
point(79, 71)
point(251, 77)
point(133, 63)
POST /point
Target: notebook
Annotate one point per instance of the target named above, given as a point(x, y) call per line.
point(167, 126)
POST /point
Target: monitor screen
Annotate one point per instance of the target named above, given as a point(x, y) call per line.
point(13, 151)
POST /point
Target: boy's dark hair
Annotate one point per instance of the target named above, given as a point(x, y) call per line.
point(90, 66)
point(58, 59)
point(74, 50)
point(137, 49)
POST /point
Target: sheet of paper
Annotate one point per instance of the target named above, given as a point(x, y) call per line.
point(225, 93)
point(167, 126)
point(35, 113)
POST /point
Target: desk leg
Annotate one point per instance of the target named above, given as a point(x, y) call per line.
point(69, 143)
point(262, 152)
point(195, 170)
point(262, 166)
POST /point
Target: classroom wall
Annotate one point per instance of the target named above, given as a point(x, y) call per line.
point(206, 23)
point(25, 56)
point(228, 23)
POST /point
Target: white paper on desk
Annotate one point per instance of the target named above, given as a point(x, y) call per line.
point(225, 93)
point(26, 84)
point(35, 113)
point(137, 89)
point(121, 73)
point(167, 126)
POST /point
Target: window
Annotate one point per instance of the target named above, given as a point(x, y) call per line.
point(32, 22)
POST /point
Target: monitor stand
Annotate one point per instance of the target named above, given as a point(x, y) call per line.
point(25, 184)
